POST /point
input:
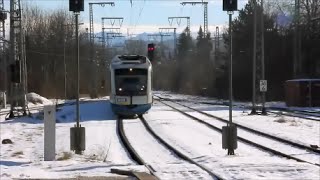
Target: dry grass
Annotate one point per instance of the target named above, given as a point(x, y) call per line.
point(98, 156)
point(93, 157)
point(292, 122)
point(65, 156)
point(18, 153)
point(281, 120)
point(29, 139)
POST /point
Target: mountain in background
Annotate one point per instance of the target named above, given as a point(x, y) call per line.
point(168, 41)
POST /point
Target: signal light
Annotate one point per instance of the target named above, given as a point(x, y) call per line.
point(230, 5)
point(76, 5)
point(151, 49)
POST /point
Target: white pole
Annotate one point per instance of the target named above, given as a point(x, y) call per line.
point(49, 133)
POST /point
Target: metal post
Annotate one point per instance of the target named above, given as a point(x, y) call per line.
point(262, 60)
point(175, 41)
point(161, 42)
point(65, 68)
point(2, 48)
point(254, 59)
point(92, 68)
point(21, 57)
point(188, 26)
point(216, 43)
point(205, 19)
point(12, 57)
point(77, 67)
point(77, 151)
point(230, 150)
point(25, 70)
point(296, 46)
point(299, 40)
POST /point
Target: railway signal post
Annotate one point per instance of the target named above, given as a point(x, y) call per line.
point(77, 133)
point(229, 132)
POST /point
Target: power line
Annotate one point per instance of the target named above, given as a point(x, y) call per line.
point(55, 54)
point(141, 9)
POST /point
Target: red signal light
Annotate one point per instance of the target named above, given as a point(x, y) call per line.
point(151, 50)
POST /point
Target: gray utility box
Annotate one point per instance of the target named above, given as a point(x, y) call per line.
point(77, 138)
point(229, 137)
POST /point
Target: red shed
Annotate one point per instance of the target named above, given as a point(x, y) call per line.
point(302, 92)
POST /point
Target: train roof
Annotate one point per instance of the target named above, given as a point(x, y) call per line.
point(123, 61)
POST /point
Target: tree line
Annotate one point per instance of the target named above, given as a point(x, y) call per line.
point(200, 71)
point(193, 69)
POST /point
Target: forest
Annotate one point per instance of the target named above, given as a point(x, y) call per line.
point(197, 67)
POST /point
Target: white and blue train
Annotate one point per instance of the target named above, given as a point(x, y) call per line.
point(131, 81)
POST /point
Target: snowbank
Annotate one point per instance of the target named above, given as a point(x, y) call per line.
point(37, 99)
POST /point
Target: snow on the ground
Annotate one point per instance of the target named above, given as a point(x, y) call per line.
point(37, 99)
point(273, 144)
point(203, 99)
point(292, 128)
point(167, 164)
point(204, 145)
point(24, 158)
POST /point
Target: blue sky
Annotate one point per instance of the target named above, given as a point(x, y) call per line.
point(146, 15)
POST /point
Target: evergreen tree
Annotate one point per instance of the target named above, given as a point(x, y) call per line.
point(184, 44)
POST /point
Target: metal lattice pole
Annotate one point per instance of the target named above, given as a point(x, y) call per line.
point(3, 60)
point(17, 92)
point(216, 42)
point(91, 35)
point(296, 42)
point(262, 60)
point(103, 35)
point(104, 28)
point(188, 25)
point(174, 36)
point(93, 87)
point(253, 110)
point(205, 14)
point(182, 17)
point(175, 40)
point(205, 20)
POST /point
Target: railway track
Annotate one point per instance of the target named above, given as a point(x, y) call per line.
point(313, 116)
point(297, 110)
point(133, 154)
point(307, 115)
point(254, 131)
point(179, 159)
point(255, 138)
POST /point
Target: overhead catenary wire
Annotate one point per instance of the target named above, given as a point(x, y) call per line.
point(140, 12)
point(84, 59)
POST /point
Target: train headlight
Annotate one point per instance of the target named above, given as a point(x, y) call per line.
point(120, 89)
point(130, 69)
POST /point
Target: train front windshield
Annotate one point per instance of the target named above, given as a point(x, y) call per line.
point(131, 82)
